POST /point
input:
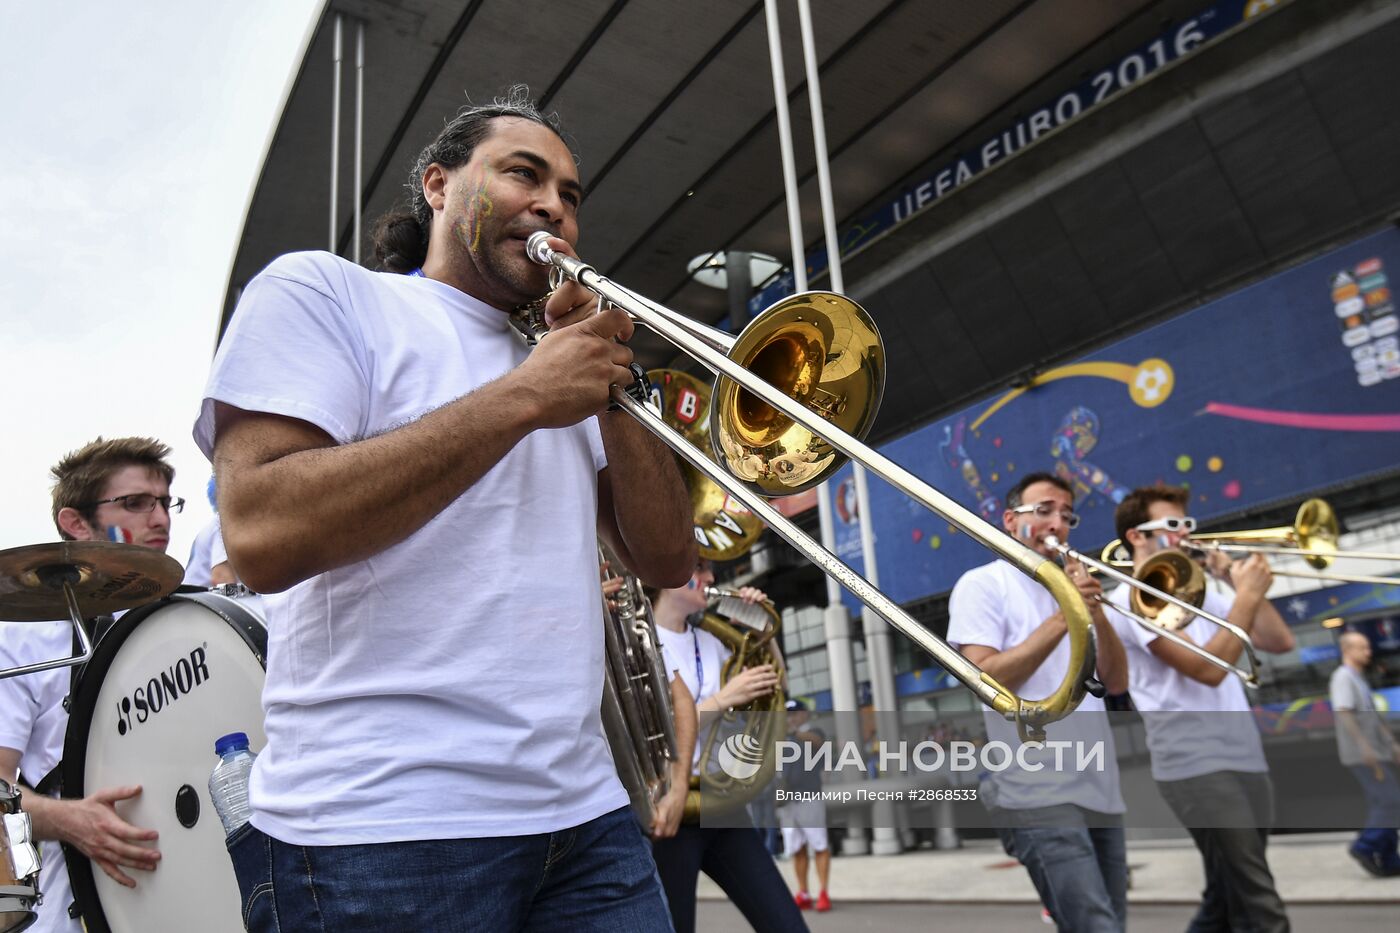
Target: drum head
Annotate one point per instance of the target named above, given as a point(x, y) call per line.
point(163, 684)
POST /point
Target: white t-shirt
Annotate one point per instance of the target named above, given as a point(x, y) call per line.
point(448, 686)
point(699, 658)
point(201, 560)
point(33, 723)
point(1192, 728)
point(668, 660)
point(998, 606)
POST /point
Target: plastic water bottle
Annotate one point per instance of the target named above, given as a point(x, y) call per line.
point(228, 785)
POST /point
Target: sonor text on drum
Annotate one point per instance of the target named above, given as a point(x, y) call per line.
point(157, 692)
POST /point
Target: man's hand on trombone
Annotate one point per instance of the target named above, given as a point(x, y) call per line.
point(573, 369)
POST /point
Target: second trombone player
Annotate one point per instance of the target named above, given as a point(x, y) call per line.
point(1207, 756)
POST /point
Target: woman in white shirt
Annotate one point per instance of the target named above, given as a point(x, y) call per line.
point(735, 856)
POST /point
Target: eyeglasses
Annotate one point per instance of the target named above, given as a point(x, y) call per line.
point(145, 502)
point(1046, 509)
point(1185, 524)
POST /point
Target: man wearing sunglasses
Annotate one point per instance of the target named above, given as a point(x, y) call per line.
point(109, 490)
point(1065, 826)
point(1207, 757)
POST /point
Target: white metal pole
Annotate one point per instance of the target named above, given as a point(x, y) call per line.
point(335, 126)
point(814, 95)
point(359, 127)
point(879, 652)
point(775, 57)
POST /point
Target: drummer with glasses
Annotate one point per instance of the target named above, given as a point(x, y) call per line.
point(108, 490)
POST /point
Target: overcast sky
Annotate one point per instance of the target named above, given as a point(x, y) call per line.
point(132, 137)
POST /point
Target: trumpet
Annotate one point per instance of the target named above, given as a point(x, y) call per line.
point(795, 391)
point(1167, 593)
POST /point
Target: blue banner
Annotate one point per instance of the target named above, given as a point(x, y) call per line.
point(1173, 43)
point(1348, 600)
point(1286, 387)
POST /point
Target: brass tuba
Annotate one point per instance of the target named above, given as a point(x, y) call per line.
point(637, 715)
point(725, 530)
point(755, 728)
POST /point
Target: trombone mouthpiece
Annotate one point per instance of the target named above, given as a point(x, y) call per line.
point(537, 247)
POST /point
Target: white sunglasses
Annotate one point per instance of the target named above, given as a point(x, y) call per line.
point(1170, 523)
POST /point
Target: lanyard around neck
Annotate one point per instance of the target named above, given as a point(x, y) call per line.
point(699, 665)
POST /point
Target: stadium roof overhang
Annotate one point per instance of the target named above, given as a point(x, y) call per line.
point(1205, 172)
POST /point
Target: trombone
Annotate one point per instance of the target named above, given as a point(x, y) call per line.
point(1164, 576)
point(824, 351)
point(1312, 536)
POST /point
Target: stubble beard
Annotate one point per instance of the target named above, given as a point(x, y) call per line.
point(511, 277)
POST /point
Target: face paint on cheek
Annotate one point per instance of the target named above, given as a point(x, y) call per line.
point(119, 535)
point(478, 207)
point(1163, 542)
point(1026, 531)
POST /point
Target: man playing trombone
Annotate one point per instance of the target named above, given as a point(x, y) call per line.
point(422, 495)
point(1207, 757)
point(1065, 827)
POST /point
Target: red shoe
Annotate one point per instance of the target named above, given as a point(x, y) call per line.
point(804, 900)
point(823, 903)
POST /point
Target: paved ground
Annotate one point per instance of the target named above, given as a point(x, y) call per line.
point(717, 917)
point(1309, 869)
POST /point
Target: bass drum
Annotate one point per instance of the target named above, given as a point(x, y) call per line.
point(164, 683)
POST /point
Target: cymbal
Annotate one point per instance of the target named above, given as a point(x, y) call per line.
point(105, 577)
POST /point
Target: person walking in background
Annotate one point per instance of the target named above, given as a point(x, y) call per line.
point(1368, 749)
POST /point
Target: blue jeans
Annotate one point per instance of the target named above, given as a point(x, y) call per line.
point(764, 813)
point(737, 861)
point(1382, 811)
point(598, 876)
point(1077, 860)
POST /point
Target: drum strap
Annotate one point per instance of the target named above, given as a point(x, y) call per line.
point(51, 783)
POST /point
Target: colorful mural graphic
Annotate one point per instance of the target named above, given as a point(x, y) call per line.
point(1244, 401)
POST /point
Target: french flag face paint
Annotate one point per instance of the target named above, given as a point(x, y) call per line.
point(119, 535)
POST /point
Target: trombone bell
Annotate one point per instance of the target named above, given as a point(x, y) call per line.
point(820, 349)
point(1313, 534)
point(1317, 530)
point(1171, 572)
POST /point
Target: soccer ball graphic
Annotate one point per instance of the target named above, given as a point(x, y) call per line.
point(740, 756)
point(1152, 384)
